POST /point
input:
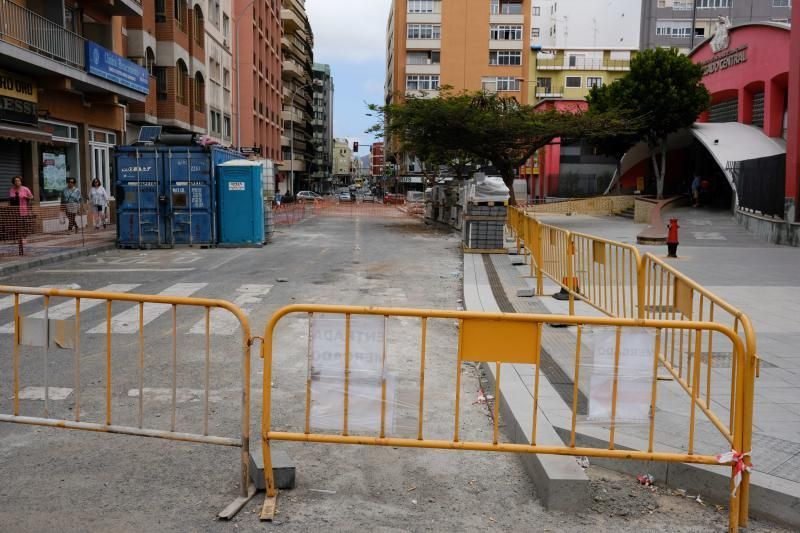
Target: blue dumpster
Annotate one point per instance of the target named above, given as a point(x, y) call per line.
point(241, 204)
point(166, 195)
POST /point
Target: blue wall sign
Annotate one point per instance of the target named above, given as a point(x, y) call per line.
point(106, 64)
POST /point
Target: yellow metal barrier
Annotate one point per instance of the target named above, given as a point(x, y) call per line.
point(668, 294)
point(49, 333)
point(494, 338)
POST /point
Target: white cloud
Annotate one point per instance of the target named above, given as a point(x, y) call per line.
point(351, 31)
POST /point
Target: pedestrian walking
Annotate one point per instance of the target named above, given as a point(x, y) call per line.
point(19, 198)
point(98, 198)
point(696, 191)
point(71, 203)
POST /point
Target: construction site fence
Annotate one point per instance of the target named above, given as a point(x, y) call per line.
point(43, 338)
point(588, 206)
point(351, 397)
point(31, 230)
point(617, 280)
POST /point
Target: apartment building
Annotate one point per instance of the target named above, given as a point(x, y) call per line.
point(377, 160)
point(297, 46)
point(576, 46)
point(342, 162)
point(169, 40)
point(219, 66)
point(322, 165)
point(257, 32)
point(465, 44)
point(65, 83)
point(669, 22)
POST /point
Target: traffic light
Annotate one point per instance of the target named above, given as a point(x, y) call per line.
point(355, 146)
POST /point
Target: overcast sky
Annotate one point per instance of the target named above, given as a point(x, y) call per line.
point(351, 37)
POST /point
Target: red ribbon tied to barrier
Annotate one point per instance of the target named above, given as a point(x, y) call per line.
point(739, 466)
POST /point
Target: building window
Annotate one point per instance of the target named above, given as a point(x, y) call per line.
point(226, 78)
point(500, 83)
point(592, 81)
point(180, 13)
point(161, 82)
point(424, 6)
point(180, 82)
point(506, 7)
point(198, 26)
point(535, 33)
point(713, 4)
point(432, 57)
point(161, 11)
point(226, 26)
point(781, 3)
point(537, 11)
point(673, 28)
point(199, 92)
point(422, 82)
point(505, 57)
point(226, 127)
point(573, 82)
point(505, 32)
point(424, 31)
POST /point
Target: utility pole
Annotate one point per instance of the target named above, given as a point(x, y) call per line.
point(694, 21)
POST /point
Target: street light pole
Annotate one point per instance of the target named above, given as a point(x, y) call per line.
point(238, 78)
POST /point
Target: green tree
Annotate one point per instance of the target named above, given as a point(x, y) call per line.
point(664, 88)
point(488, 126)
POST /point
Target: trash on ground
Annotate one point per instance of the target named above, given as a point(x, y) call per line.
point(322, 491)
point(646, 479)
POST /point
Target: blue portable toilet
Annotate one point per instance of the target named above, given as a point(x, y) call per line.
point(241, 204)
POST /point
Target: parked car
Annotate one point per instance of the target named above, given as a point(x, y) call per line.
point(393, 198)
point(308, 196)
point(368, 197)
point(345, 197)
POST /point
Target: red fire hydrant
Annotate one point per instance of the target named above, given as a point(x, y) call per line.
point(672, 238)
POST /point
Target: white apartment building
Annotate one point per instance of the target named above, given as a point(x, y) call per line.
point(581, 24)
point(219, 70)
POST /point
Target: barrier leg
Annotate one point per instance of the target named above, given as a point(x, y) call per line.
point(271, 498)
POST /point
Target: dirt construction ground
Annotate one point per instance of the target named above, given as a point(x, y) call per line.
point(59, 480)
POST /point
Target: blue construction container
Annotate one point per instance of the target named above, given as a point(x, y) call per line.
point(166, 195)
point(241, 204)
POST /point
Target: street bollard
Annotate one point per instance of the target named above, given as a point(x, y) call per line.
point(672, 238)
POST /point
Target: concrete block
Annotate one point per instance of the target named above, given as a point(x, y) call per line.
point(282, 468)
point(526, 293)
point(560, 482)
point(517, 260)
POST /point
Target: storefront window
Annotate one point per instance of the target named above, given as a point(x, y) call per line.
point(58, 160)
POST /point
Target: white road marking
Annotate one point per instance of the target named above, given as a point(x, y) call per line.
point(708, 236)
point(66, 310)
point(37, 393)
point(8, 301)
point(128, 321)
point(112, 270)
point(181, 395)
point(223, 322)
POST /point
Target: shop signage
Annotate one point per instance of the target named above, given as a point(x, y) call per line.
point(18, 87)
point(104, 63)
point(250, 150)
point(725, 60)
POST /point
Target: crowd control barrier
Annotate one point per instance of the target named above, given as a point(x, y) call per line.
point(615, 279)
point(41, 339)
point(350, 396)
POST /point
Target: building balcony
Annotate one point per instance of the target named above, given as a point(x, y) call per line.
point(619, 65)
point(549, 92)
point(123, 8)
point(298, 165)
point(291, 21)
point(294, 70)
point(294, 116)
point(34, 45)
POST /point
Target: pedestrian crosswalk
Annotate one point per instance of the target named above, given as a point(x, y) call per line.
point(126, 315)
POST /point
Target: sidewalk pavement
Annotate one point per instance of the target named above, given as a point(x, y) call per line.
point(720, 255)
point(40, 251)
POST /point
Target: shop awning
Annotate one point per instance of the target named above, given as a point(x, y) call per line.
point(24, 133)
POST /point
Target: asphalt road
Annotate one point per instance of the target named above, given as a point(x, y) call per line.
point(81, 481)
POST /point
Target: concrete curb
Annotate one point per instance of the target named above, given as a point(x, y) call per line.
point(8, 270)
point(560, 482)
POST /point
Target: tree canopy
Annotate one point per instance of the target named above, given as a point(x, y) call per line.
point(490, 127)
point(664, 89)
